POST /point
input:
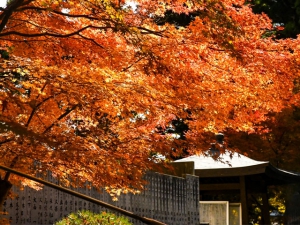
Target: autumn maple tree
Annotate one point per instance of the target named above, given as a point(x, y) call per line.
point(85, 84)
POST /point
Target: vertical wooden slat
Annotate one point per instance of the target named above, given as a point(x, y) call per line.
point(265, 209)
point(243, 193)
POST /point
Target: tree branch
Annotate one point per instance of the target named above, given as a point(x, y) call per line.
point(128, 67)
point(64, 14)
point(53, 34)
point(92, 40)
point(5, 141)
point(34, 110)
point(67, 112)
point(26, 3)
point(148, 31)
point(23, 131)
point(8, 12)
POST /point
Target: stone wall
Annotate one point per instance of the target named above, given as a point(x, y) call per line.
point(172, 200)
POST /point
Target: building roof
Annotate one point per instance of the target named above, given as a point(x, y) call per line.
point(235, 164)
point(225, 160)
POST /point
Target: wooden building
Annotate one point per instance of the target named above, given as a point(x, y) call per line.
point(235, 178)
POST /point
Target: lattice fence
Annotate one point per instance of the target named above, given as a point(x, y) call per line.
point(172, 200)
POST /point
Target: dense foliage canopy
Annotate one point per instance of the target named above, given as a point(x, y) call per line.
point(87, 85)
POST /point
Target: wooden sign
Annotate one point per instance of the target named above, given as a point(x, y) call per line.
point(214, 212)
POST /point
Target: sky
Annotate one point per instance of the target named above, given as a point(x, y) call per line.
point(2, 3)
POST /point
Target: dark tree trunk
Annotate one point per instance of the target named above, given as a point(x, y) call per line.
point(5, 187)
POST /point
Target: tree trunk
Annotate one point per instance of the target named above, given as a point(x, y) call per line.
point(5, 187)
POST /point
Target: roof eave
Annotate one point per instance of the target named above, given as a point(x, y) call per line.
point(234, 171)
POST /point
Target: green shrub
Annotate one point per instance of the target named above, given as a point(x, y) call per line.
point(90, 218)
